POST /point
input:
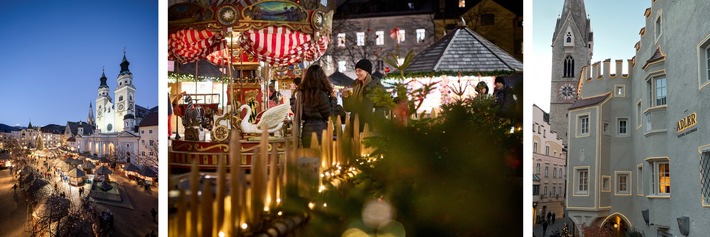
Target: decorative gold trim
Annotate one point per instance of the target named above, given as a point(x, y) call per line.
point(225, 147)
point(181, 146)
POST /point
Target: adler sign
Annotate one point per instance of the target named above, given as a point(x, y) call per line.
point(686, 123)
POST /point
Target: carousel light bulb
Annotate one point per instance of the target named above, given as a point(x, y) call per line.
point(221, 234)
point(278, 200)
point(311, 205)
point(325, 204)
point(244, 226)
point(280, 213)
point(321, 188)
point(266, 209)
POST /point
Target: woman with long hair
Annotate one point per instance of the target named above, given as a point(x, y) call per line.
point(317, 101)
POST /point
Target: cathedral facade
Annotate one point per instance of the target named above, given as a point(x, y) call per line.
point(113, 133)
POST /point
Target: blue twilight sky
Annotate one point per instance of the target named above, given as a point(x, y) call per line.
point(53, 53)
point(615, 24)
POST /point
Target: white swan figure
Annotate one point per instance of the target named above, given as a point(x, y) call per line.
point(272, 118)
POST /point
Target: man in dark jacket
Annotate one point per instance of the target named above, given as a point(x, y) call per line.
point(360, 102)
point(504, 97)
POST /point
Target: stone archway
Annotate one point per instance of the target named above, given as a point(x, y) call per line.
point(617, 223)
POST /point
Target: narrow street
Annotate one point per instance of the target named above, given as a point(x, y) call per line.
point(13, 208)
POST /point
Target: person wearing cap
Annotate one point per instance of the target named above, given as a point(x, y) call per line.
point(363, 88)
point(504, 96)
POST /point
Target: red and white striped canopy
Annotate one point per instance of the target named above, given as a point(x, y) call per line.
point(190, 45)
point(281, 46)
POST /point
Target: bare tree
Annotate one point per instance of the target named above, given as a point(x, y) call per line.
point(151, 155)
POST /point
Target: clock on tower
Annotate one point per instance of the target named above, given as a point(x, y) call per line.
point(567, 92)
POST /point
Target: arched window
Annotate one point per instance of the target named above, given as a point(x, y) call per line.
point(569, 67)
point(569, 39)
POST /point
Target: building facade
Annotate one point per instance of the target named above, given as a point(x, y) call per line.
point(549, 164)
point(639, 144)
point(148, 147)
point(114, 133)
point(572, 47)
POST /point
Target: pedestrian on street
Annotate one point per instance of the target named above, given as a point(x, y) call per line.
point(81, 191)
point(549, 215)
point(544, 228)
point(553, 218)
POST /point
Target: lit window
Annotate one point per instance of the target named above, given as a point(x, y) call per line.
point(705, 176)
point(660, 177)
point(400, 37)
point(462, 3)
point(583, 180)
point(341, 40)
point(623, 126)
point(420, 35)
point(360, 38)
point(341, 66)
point(380, 38)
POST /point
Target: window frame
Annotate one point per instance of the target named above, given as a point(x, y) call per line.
point(606, 183)
point(653, 91)
point(639, 179)
point(379, 37)
point(624, 176)
point(421, 32)
point(625, 127)
point(578, 184)
point(655, 163)
point(360, 38)
point(341, 38)
point(705, 177)
point(579, 129)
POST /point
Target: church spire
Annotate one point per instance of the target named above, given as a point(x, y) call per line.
point(103, 79)
point(90, 120)
point(124, 64)
point(30, 125)
point(575, 10)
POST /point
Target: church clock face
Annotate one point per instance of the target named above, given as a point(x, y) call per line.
point(567, 91)
point(130, 105)
point(120, 107)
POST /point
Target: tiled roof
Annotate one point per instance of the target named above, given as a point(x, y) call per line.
point(657, 56)
point(88, 130)
point(464, 50)
point(150, 120)
point(340, 79)
point(589, 101)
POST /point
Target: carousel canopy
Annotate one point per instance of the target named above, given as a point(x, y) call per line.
point(463, 51)
point(103, 170)
point(148, 171)
point(76, 173)
point(340, 79)
point(131, 167)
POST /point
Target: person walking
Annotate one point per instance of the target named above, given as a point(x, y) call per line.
point(553, 218)
point(544, 228)
point(317, 101)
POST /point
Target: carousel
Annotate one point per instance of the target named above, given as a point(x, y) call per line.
point(234, 62)
point(248, 46)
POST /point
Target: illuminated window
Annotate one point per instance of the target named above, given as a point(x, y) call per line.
point(380, 40)
point(341, 40)
point(400, 37)
point(420, 35)
point(660, 177)
point(360, 38)
point(341, 66)
point(462, 3)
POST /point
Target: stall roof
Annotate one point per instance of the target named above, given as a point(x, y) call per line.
point(463, 51)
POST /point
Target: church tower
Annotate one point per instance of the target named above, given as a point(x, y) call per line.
point(571, 50)
point(104, 108)
point(125, 94)
point(90, 119)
